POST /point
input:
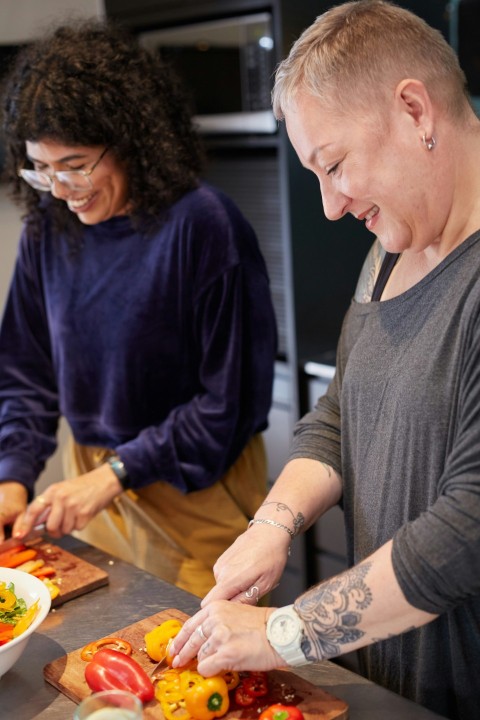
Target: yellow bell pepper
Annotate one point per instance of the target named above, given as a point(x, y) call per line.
point(26, 620)
point(208, 699)
point(53, 589)
point(7, 598)
point(156, 640)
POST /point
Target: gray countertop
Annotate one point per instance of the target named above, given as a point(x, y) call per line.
point(132, 595)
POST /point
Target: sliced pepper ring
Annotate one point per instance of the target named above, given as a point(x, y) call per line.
point(7, 599)
point(231, 677)
point(117, 643)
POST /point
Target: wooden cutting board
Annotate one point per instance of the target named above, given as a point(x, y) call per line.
point(74, 576)
point(67, 675)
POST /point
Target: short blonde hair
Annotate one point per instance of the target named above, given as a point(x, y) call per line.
point(356, 53)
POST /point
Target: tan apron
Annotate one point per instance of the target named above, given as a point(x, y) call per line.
point(175, 536)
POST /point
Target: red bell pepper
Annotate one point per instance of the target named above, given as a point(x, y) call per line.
point(281, 712)
point(113, 670)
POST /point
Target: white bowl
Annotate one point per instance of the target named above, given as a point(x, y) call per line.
point(30, 589)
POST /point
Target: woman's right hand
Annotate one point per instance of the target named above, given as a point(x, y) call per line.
point(13, 501)
point(251, 567)
point(68, 505)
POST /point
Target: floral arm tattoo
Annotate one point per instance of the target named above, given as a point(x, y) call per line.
point(298, 520)
point(333, 611)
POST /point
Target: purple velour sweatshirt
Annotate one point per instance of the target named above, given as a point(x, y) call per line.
point(159, 345)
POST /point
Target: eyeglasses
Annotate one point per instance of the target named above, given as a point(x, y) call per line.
point(72, 179)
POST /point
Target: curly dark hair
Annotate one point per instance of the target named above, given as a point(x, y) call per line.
point(91, 83)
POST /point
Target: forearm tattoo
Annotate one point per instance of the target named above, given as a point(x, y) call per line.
point(333, 611)
point(298, 520)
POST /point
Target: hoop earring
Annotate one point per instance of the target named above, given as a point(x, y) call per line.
point(430, 143)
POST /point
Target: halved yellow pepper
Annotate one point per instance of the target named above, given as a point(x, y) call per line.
point(156, 640)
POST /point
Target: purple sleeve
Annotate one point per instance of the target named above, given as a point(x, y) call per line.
point(28, 395)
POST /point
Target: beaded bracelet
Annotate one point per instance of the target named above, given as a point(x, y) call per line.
point(265, 521)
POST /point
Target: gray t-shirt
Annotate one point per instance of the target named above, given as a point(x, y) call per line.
point(401, 423)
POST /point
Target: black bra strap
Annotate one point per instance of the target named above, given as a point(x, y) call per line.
point(384, 273)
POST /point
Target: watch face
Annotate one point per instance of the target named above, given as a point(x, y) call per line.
point(283, 630)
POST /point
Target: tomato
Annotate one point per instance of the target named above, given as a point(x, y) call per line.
point(113, 670)
point(281, 712)
point(242, 697)
point(118, 644)
point(158, 639)
point(207, 699)
point(255, 685)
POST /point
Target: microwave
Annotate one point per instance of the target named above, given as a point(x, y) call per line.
point(227, 66)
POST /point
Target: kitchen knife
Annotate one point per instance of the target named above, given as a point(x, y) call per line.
point(12, 542)
point(158, 669)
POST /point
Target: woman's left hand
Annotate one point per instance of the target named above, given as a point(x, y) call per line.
point(69, 505)
point(226, 635)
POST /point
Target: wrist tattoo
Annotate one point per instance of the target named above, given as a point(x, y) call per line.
point(332, 611)
point(298, 520)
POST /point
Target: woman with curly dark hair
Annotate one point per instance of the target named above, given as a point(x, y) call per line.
point(139, 310)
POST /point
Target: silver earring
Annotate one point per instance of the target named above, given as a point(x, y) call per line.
point(430, 143)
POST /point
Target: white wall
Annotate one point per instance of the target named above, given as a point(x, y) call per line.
point(22, 20)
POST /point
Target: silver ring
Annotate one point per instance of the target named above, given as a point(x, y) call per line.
point(201, 633)
point(252, 593)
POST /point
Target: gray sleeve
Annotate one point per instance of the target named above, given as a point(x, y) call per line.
point(317, 434)
point(436, 557)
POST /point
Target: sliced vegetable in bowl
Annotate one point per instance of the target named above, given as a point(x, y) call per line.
point(21, 614)
point(15, 617)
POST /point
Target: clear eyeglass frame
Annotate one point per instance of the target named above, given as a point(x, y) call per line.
point(72, 179)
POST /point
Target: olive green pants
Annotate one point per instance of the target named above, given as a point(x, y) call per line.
point(175, 536)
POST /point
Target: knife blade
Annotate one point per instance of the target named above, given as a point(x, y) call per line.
point(12, 542)
point(159, 668)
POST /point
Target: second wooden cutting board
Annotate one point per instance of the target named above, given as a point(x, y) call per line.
point(74, 576)
point(67, 674)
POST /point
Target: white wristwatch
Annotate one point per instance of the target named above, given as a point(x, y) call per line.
point(285, 631)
